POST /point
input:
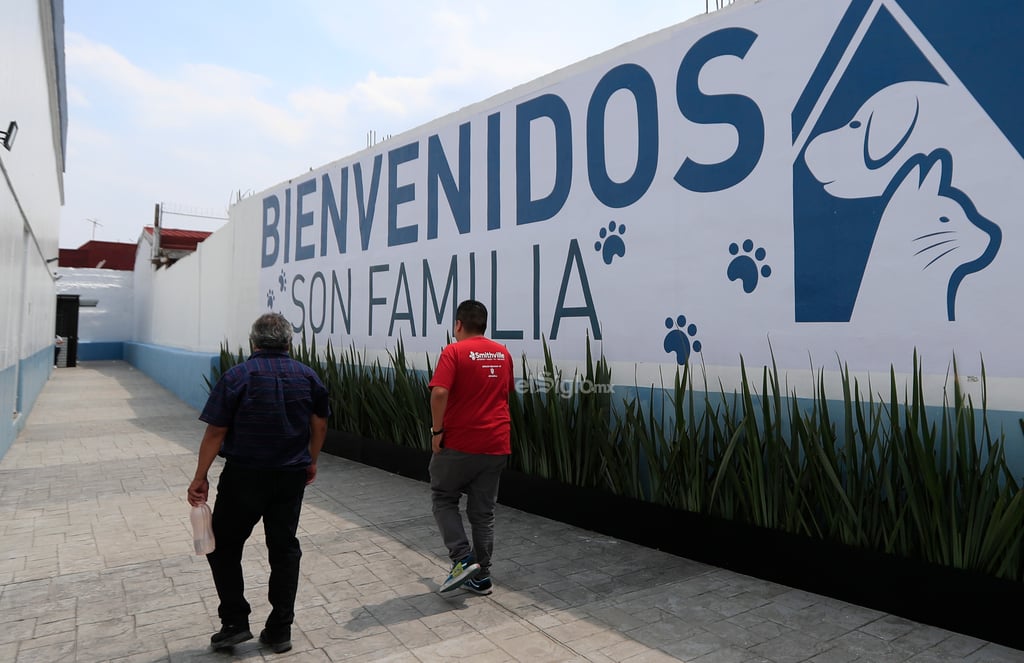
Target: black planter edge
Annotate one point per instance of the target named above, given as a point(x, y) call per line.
point(387, 456)
point(960, 601)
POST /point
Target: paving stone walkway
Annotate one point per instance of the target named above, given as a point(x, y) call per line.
point(96, 565)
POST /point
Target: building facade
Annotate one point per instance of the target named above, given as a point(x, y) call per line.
point(33, 120)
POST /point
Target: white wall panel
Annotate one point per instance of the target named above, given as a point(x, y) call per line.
point(245, 302)
point(31, 191)
point(216, 276)
point(112, 317)
point(175, 302)
point(40, 308)
point(221, 277)
point(10, 276)
point(25, 97)
point(143, 294)
point(30, 182)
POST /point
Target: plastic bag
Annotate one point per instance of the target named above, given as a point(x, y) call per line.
point(202, 529)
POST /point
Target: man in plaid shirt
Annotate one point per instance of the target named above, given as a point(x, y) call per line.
point(268, 418)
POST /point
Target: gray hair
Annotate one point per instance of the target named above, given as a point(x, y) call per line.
point(271, 331)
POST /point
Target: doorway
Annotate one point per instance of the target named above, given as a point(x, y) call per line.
point(67, 326)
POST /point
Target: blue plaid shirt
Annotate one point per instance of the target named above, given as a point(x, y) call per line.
point(266, 403)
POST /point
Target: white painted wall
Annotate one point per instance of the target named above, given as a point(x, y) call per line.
point(245, 300)
point(11, 262)
point(31, 195)
point(39, 319)
point(175, 301)
point(143, 293)
point(205, 299)
point(31, 180)
point(28, 96)
point(113, 316)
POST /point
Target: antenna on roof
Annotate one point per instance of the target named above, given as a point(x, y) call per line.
point(94, 223)
point(371, 138)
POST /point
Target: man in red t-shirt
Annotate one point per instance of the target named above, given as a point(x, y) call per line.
point(470, 435)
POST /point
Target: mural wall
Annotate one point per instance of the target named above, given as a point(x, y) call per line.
point(792, 178)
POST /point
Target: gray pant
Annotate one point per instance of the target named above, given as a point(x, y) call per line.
point(477, 475)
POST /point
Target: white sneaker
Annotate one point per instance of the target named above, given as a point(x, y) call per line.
point(462, 571)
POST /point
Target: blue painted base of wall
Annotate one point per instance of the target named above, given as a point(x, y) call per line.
point(8, 399)
point(179, 371)
point(97, 351)
point(35, 371)
point(19, 398)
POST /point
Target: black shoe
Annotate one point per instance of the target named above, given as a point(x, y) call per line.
point(278, 644)
point(478, 585)
point(229, 636)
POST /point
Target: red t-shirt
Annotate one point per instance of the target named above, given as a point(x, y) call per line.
point(477, 372)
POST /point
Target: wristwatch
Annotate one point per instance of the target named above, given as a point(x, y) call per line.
point(435, 433)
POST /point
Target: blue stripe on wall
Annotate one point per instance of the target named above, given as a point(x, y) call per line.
point(179, 371)
point(35, 371)
point(98, 351)
point(8, 396)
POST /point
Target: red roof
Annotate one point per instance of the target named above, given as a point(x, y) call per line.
point(105, 255)
point(172, 239)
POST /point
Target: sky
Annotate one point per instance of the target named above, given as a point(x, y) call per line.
point(193, 103)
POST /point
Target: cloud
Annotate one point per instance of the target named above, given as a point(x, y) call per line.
point(195, 130)
point(397, 95)
point(198, 95)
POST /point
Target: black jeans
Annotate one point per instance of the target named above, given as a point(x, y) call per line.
point(243, 497)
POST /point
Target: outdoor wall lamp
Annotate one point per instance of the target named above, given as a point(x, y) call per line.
point(8, 136)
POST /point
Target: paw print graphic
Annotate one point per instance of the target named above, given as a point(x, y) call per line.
point(282, 280)
point(610, 243)
point(745, 268)
point(680, 338)
point(270, 299)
